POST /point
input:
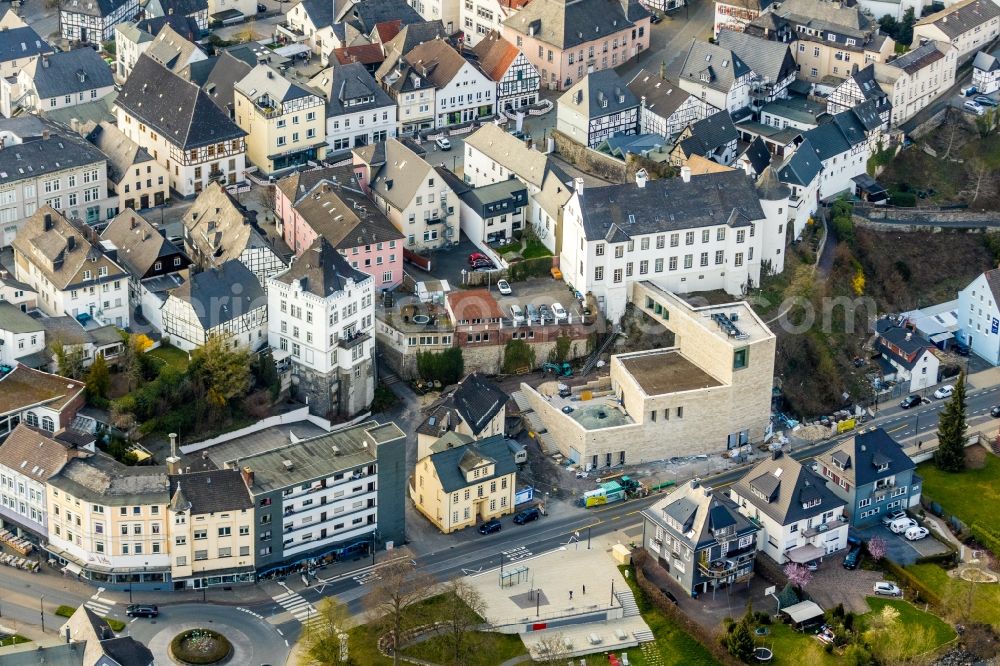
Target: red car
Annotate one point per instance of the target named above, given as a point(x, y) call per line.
point(478, 256)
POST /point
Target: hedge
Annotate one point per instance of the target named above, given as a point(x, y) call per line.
point(654, 595)
point(912, 581)
point(987, 537)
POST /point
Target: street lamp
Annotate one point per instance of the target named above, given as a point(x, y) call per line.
point(203, 590)
point(41, 611)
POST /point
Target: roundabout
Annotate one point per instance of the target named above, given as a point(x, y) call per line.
point(199, 647)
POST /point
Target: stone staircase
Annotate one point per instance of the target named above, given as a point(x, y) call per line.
point(627, 600)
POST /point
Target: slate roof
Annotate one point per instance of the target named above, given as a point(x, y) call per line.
point(663, 96)
point(913, 61)
point(505, 197)
point(222, 293)
point(449, 463)
point(700, 512)
point(770, 187)
point(712, 65)
point(123, 153)
point(402, 173)
point(859, 452)
point(127, 650)
point(802, 167)
point(172, 50)
point(891, 333)
point(265, 82)
point(765, 57)
point(986, 62)
point(992, 278)
point(788, 485)
point(340, 85)
point(411, 35)
point(20, 43)
point(100, 8)
point(366, 14)
point(138, 242)
point(103, 480)
point(865, 80)
point(177, 109)
point(185, 26)
point(320, 12)
point(838, 136)
point(495, 55)
point(321, 270)
point(36, 156)
point(13, 320)
point(178, 7)
point(961, 17)
point(567, 23)
point(214, 491)
point(710, 134)
point(601, 93)
point(69, 72)
point(758, 155)
point(217, 226)
point(670, 205)
point(220, 82)
point(827, 16)
point(478, 400)
point(34, 452)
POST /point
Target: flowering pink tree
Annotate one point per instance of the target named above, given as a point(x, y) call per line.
point(798, 574)
point(877, 547)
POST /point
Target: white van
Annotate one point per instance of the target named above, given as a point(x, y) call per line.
point(900, 525)
point(517, 314)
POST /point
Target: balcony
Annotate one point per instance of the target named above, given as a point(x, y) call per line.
point(353, 340)
point(823, 528)
point(718, 569)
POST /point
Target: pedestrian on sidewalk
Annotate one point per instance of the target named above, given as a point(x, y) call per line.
point(920, 443)
point(571, 595)
point(585, 589)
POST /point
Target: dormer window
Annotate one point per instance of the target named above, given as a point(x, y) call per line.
point(883, 467)
point(811, 503)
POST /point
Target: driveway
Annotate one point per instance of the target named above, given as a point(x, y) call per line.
point(898, 549)
point(448, 263)
point(832, 584)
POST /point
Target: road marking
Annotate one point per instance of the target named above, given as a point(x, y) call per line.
point(293, 602)
point(280, 633)
point(100, 606)
point(902, 427)
point(367, 577)
point(133, 620)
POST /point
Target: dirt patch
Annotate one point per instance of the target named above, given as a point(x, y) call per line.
point(975, 457)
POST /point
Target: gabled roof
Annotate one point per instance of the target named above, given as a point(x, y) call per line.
point(843, 132)
point(177, 7)
point(859, 452)
point(102, 479)
point(448, 464)
point(568, 23)
point(13, 320)
point(345, 87)
point(321, 271)
point(768, 59)
point(411, 35)
point(138, 243)
point(437, 61)
point(478, 400)
point(913, 61)
point(177, 109)
point(662, 96)
point(712, 65)
point(758, 155)
point(699, 512)
point(213, 491)
point(670, 205)
point(866, 82)
point(785, 490)
point(222, 293)
point(601, 93)
point(402, 173)
point(710, 134)
point(364, 54)
point(23, 387)
point(770, 187)
point(265, 82)
point(69, 72)
point(184, 26)
point(902, 338)
point(101, 8)
point(495, 54)
point(320, 12)
point(221, 81)
point(986, 62)
point(20, 43)
point(123, 153)
point(35, 453)
point(41, 147)
point(802, 167)
point(366, 14)
point(172, 50)
point(217, 227)
point(961, 17)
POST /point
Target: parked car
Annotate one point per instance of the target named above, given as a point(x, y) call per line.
point(527, 516)
point(974, 107)
point(545, 313)
point(983, 100)
point(261, 8)
point(900, 525)
point(995, 412)
point(532, 312)
point(477, 256)
point(504, 287)
point(517, 314)
point(559, 312)
point(142, 610)
point(443, 143)
point(490, 526)
point(812, 565)
point(887, 589)
point(568, 409)
point(916, 533)
point(910, 401)
point(970, 91)
point(944, 392)
point(655, 18)
point(853, 557)
point(961, 349)
point(892, 516)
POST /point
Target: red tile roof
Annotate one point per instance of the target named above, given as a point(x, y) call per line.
point(388, 29)
point(495, 55)
point(366, 54)
point(473, 304)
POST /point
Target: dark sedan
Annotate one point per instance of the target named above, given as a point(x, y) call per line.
point(910, 401)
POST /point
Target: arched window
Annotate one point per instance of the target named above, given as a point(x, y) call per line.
point(32, 419)
point(48, 423)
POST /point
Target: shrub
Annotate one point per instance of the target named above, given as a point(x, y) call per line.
point(904, 199)
point(446, 366)
point(200, 646)
point(517, 355)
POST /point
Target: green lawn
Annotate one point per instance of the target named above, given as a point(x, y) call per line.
point(171, 355)
point(535, 249)
point(973, 495)
point(16, 639)
point(984, 598)
point(941, 632)
point(794, 647)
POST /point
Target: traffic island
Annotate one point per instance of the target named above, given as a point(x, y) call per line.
point(200, 646)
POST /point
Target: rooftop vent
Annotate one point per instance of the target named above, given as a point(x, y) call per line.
point(289, 465)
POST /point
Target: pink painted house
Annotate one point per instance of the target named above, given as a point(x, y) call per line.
point(329, 203)
point(564, 39)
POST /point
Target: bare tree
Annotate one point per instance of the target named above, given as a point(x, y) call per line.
point(551, 649)
point(457, 618)
point(951, 129)
point(326, 639)
point(982, 174)
point(392, 597)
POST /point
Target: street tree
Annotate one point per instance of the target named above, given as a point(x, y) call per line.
point(950, 455)
point(458, 616)
point(550, 649)
point(326, 641)
point(877, 548)
point(391, 600)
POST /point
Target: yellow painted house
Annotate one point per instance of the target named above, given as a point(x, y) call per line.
point(463, 484)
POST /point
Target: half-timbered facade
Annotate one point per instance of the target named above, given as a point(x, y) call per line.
point(516, 78)
point(664, 107)
point(596, 108)
point(179, 125)
point(94, 21)
point(858, 88)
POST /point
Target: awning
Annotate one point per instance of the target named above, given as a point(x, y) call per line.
point(73, 568)
point(292, 50)
point(803, 611)
point(806, 553)
point(942, 337)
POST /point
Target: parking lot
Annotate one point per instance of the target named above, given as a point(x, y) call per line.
point(899, 550)
point(538, 292)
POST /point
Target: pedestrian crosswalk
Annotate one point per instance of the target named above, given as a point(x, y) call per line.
point(100, 606)
point(301, 610)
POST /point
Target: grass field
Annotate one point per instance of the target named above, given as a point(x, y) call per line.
point(170, 355)
point(940, 631)
point(973, 495)
point(982, 599)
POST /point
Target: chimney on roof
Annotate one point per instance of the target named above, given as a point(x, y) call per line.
point(170, 11)
point(174, 461)
point(247, 475)
point(270, 74)
point(776, 454)
point(578, 185)
point(640, 178)
point(909, 336)
point(663, 70)
point(45, 62)
point(45, 134)
point(48, 221)
point(71, 243)
point(686, 174)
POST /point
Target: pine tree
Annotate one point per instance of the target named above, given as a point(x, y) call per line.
point(740, 641)
point(950, 456)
